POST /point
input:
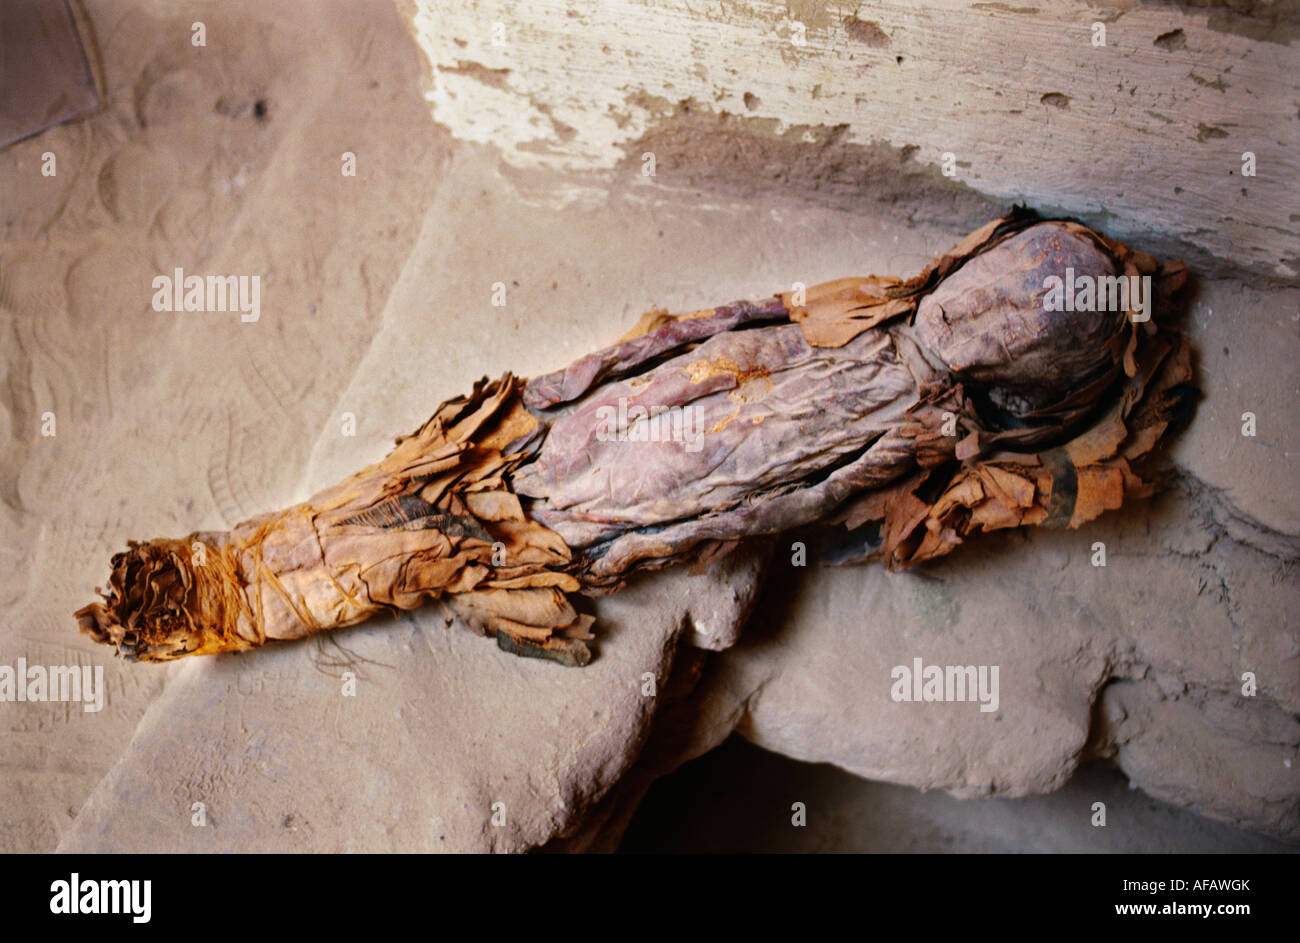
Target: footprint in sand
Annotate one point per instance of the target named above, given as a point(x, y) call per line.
point(136, 181)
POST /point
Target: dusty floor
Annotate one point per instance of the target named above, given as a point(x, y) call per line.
point(163, 422)
point(376, 303)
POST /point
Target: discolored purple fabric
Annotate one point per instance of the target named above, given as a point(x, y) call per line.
point(745, 413)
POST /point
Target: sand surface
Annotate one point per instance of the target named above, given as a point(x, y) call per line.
point(169, 422)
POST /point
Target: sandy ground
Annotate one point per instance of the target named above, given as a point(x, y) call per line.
point(167, 422)
point(376, 288)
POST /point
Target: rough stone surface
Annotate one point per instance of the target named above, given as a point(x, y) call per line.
point(1172, 624)
point(1188, 90)
point(447, 745)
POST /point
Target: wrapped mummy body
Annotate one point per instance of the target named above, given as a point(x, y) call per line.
point(915, 412)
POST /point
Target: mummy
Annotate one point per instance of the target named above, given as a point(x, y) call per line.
point(1024, 378)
